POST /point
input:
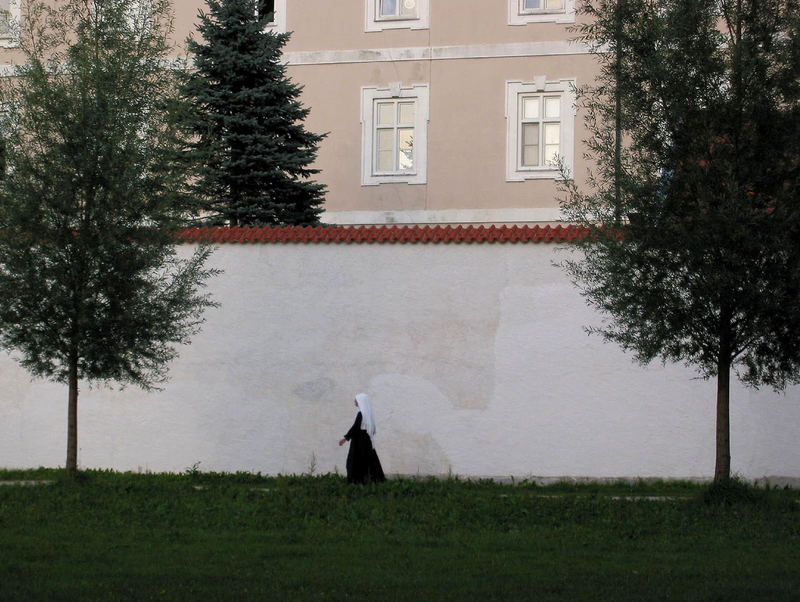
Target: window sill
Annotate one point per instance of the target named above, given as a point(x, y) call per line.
point(374, 22)
point(409, 179)
point(522, 175)
point(541, 12)
point(395, 19)
point(395, 174)
point(517, 17)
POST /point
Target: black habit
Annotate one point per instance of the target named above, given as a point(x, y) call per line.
point(363, 465)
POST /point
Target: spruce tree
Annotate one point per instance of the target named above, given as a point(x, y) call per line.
point(91, 285)
point(251, 151)
point(693, 212)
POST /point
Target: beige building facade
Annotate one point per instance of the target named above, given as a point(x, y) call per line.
point(437, 111)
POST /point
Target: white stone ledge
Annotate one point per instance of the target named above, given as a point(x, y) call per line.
point(418, 53)
point(445, 216)
point(436, 53)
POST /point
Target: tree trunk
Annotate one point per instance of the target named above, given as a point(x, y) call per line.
point(72, 419)
point(722, 471)
point(618, 117)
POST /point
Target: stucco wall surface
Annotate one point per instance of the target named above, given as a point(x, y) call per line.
point(474, 355)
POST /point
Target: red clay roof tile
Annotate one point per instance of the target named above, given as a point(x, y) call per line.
point(415, 234)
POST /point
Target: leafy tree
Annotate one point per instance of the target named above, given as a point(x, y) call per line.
point(693, 210)
point(251, 148)
point(91, 286)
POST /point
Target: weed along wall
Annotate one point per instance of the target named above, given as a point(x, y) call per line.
point(469, 340)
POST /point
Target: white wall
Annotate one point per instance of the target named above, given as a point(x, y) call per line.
point(474, 356)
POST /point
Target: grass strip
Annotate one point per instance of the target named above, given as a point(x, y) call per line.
point(123, 536)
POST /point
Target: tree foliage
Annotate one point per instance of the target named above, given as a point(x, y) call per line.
point(694, 247)
point(251, 149)
point(91, 286)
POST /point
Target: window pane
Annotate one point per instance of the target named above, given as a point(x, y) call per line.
point(530, 156)
point(532, 4)
point(552, 133)
point(385, 140)
point(530, 108)
point(385, 161)
point(405, 113)
point(388, 8)
point(405, 143)
point(408, 8)
point(385, 113)
point(552, 139)
point(385, 150)
point(551, 154)
point(555, 4)
point(5, 16)
point(552, 106)
point(530, 134)
point(530, 144)
point(266, 10)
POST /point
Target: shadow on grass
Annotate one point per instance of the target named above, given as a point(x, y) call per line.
point(737, 492)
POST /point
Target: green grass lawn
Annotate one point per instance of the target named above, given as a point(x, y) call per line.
point(112, 536)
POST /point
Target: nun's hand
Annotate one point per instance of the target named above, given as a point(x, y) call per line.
point(341, 442)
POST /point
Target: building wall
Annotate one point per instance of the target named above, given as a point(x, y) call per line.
point(466, 137)
point(466, 55)
point(474, 355)
point(470, 53)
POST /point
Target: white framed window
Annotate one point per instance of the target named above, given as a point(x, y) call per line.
point(394, 136)
point(531, 7)
point(9, 23)
point(397, 9)
point(522, 12)
point(540, 129)
point(394, 125)
point(397, 14)
point(540, 117)
point(274, 12)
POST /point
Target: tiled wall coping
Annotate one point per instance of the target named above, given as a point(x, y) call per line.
point(419, 234)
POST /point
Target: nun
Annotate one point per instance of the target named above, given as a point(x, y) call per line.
point(363, 465)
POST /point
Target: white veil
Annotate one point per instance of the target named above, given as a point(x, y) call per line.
point(367, 419)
